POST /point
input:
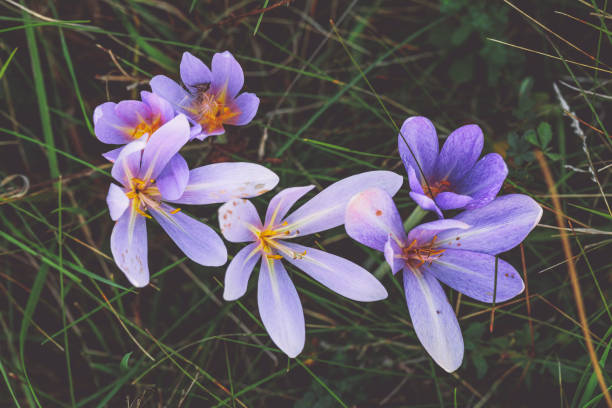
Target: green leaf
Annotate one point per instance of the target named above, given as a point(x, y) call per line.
point(124, 361)
point(481, 365)
point(531, 137)
point(544, 134)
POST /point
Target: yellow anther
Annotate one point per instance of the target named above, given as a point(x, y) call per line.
point(274, 256)
point(139, 211)
point(175, 211)
point(151, 181)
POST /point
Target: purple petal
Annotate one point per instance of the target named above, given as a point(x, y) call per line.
point(426, 203)
point(226, 74)
point(194, 72)
point(163, 144)
point(133, 113)
point(198, 241)
point(282, 202)
point(247, 104)
point(413, 180)
point(221, 182)
point(420, 134)
point(173, 179)
point(109, 127)
point(127, 164)
point(459, 153)
point(112, 155)
point(117, 201)
point(484, 181)
point(129, 247)
point(447, 200)
point(473, 274)
point(159, 106)
point(101, 109)
point(371, 218)
point(326, 209)
point(237, 219)
point(392, 253)
point(280, 308)
point(339, 274)
point(425, 233)
point(179, 98)
point(433, 319)
point(239, 271)
point(496, 227)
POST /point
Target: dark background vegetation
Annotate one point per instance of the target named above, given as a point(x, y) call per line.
point(64, 303)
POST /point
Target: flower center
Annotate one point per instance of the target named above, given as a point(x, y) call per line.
point(143, 195)
point(417, 255)
point(267, 239)
point(436, 188)
point(212, 110)
point(146, 128)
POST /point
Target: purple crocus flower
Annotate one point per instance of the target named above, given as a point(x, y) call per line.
point(211, 98)
point(455, 179)
point(279, 305)
point(459, 252)
point(151, 175)
point(122, 123)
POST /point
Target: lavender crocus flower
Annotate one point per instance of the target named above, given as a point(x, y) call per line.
point(459, 252)
point(122, 123)
point(151, 175)
point(455, 179)
point(211, 98)
point(279, 305)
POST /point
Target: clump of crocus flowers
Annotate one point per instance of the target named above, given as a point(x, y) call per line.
point(461, 252)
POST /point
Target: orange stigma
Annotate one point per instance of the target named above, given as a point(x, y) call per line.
point(212, 110)
point(436, 188)
point(145, 128)
point(417, 255)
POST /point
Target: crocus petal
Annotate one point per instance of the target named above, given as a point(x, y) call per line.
point(133, 113)
point(226, 73)
point(112, 155)
point(484, 181)
point(198, 241)
point(420, 134)
point(173, 179)
point(433, 319)
point(447, 200)
point(473, 274)
point(339, 274)
point(326, 209)
point(221, 182)
point(425, 233)
point(164, 143)
point(280, 308)
point(163, 86)
point(426, 203)
point(117, 201)
point(158, 105)
point(247, 104)
point(371, 217)
point(237, 219)
point(109, 127)
point(496, 227)
point(413, 181)
point(194, 72)
point(129, 247)
point(459, 153)
point(127, 164)
point(239, 271)
point(392, 253)
point(282, 202)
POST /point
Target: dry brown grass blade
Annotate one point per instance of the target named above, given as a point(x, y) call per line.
point(567, 250)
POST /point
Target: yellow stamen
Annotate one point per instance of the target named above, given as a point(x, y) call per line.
point(175, 211)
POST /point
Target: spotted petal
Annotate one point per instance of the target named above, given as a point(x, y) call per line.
point(129, 247)
point(237, 219)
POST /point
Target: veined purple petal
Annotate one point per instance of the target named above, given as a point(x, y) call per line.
point(112, 155)
point(173, 179)
point(426, 203)
point(371, 218)
point(158, 105)
point(339, 274)
point(247, 104)
point(280, 308)
point(221, 182)
point(326, 209)
point(133, 113)
point(129, 247)
point(239, 271)
point(117, 201)
point(484, 181)
point(459, 153)
point(433, 319)
point(109, 127)
point(413, 180)
point(420, 134)
point(424, 233)
point(164, 143)
point(282, 202)
point(447, 200)
point(496, 227)
point(392, 253)
point(237, 219)
point(226, 73)
point(127, 164)
point(198, 241)
point(179, 98)
point(473, 274)
point(194, 72)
